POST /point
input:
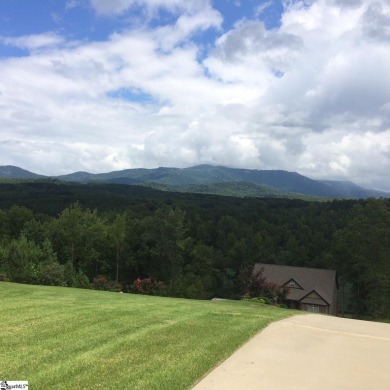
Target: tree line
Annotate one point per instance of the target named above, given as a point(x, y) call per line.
point(200, 246)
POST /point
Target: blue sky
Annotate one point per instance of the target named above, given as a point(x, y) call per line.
point(102, 85)
point(77, 19)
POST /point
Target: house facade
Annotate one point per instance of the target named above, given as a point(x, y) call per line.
point(309, 289)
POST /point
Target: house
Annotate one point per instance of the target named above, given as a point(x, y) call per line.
point(310, 289)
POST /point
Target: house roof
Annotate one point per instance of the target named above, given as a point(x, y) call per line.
point(321, 281)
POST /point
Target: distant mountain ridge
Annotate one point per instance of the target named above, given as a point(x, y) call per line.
point(12, 172)
point(214, 179)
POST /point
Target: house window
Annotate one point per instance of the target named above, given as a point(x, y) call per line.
point(313, 308)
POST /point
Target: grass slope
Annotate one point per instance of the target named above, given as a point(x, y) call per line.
point(66, 338)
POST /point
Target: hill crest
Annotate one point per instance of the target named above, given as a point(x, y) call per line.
point(207, 178)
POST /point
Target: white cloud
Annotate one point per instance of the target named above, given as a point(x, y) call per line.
point(260, 9)
point(32, 42)
point(363, 158)
point(253, 55)
point(70, 4)
point(312, 95)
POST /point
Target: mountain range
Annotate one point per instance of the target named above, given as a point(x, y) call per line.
point(213, 180)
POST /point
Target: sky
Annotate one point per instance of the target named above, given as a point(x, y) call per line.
point(104, 85)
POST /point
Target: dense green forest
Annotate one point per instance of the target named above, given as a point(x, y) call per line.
point(189, 245)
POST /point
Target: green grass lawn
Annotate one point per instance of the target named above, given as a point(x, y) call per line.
point(64, 338)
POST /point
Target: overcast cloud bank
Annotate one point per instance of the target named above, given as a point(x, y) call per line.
point(171, 86)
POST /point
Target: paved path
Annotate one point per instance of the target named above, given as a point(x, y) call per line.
point(309, 352)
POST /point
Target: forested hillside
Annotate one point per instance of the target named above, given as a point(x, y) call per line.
point(197, 246)
point(218, 180)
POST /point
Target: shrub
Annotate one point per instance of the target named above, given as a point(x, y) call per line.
point(189, 286)
point(148, 286)
point(100, 282)
point(81, 280)
point(3, 278)
point(52, 274)
point(259, 286)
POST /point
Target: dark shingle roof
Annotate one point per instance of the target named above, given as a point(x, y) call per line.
point(310, 279)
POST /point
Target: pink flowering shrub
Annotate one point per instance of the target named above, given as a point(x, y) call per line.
point(259, 286)
point(148, 286)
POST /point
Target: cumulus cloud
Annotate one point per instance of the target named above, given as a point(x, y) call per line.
point(311, 95)
point(251, 46)
point(376, 22)
point(32, 42)
point(322, 72)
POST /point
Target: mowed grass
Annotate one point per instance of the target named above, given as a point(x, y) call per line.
point(64, 338)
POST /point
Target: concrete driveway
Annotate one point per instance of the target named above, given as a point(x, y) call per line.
point(309, 352)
